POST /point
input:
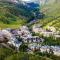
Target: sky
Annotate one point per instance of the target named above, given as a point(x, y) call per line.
point(26, 0)
point(32, 0)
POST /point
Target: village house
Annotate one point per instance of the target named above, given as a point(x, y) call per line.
point(33, 39)
point(49, 31)
point(50, 49)
point(44, 49)
point(11, 39)
point(34, 46)
point(2, 38)
point(5, 36)
point(51, 28)
point(14, 42)
point(56, 50)
point(56, 36)
point(23, 31)
point(37, 28)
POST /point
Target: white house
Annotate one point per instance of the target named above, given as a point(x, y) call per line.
point(33, 39)
point(47, 34)
point(34, 46)
point(57, 36)
point(53, 29)
point(11, 39)
point(37, 28)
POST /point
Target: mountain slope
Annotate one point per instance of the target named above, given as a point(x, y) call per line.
point(13, 14)
point(10, 16)
point(52, 15)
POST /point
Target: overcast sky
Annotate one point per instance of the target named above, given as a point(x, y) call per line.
point(26, 0)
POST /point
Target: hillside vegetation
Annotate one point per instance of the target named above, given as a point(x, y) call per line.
point(13, 15)
point(52, 15)
point(7, 54)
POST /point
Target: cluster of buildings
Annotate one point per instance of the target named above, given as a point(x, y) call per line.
point(27, 37)
point(50, 31)
point(9, 39)
point(15, 37)
point(49, 49)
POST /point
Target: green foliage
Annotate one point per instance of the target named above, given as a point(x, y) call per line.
point(23, 47)
point(4, 53)
point(51, 41)
point(46, 54)
point(10, 16)
point(7, 54)
point(25, 56)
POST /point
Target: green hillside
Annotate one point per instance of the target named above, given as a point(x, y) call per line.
point(10, 16)
point(52, 15)
point(7, 54)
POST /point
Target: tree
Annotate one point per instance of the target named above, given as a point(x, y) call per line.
point(23, 47)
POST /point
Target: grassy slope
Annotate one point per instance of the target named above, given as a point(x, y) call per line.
point(10, 17)
point(6, 54)
point(52, 15)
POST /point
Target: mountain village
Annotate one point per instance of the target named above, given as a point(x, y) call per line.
point(16, 37)
point(27, 34)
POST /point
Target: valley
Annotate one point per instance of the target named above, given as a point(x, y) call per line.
point(29, 30)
